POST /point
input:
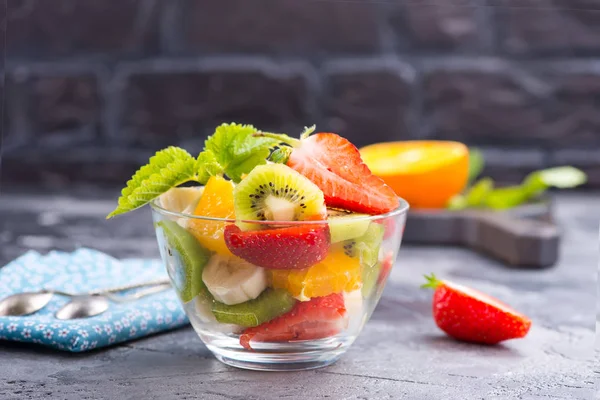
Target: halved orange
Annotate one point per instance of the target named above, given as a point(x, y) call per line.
point(426, 173)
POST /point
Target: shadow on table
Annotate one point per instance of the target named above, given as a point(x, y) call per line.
point(448, 344)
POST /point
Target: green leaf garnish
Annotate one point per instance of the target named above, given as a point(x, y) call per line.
point(559, 177)
point(474, 197)
point(482, 194)
point(168, 168)
point(476, 164)
point(237, 150)
point(505, 197)
point(232, 150)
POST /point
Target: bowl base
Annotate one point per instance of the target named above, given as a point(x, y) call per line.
point(288, 356)
point(266, 362)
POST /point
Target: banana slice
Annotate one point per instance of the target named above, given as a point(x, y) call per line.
point(181, 199)
point(353, 301)
point(232, 280)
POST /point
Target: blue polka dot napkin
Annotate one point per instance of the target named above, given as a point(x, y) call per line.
point(81, 271)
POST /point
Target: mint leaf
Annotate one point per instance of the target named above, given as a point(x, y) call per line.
point(506, 197)
point(233, 150)
point(561, 177)
point(474, 197)
point(479, 191)
point(168, 168)
point(457, 202)
point(476, 163)
point(237, 150)
point(207, 166)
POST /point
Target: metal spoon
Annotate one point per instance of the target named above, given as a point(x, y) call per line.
point(26, 303)
point(86, 306)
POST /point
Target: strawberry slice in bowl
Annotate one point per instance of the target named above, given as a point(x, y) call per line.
point(334, 164)
point(318, 318)
point(294, 247)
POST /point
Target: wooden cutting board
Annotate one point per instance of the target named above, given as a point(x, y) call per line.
point(523, 236)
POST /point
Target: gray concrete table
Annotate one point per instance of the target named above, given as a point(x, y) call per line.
point(400, 354)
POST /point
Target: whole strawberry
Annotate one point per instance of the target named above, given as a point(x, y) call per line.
point(472, 316)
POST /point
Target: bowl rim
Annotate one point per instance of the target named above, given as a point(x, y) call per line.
point(402, 209)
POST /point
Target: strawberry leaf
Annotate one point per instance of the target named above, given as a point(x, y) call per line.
point(281, 155)
point(308, 130)
point(432, 282)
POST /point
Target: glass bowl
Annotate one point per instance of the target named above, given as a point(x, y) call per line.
point(294, 296)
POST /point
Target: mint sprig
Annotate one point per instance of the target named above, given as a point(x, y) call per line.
point(483, 194)
point(232, 150)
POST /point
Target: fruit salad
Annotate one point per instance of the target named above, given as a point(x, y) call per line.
point(269, 238)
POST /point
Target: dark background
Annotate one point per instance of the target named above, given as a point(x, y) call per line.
point(94, 87)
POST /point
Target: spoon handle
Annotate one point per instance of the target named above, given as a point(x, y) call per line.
point(114, 289)
point(137, 295)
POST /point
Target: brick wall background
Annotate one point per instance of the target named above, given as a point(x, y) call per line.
point(94, 87)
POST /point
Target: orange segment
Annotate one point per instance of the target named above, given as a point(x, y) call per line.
point(335, 274)
point(216, 201)
point(425, 173)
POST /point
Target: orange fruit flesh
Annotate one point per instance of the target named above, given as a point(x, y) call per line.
point(335, 274)
point(217, 202)
point(426, 173)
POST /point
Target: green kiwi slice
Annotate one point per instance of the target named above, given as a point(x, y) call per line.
point(275, 192)
point(367, 246)
point(345, 225)
point(369, 278)
point(185, 259)
point(270, 304)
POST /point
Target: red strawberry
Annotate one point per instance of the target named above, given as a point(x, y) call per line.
point(472, 316)
point(318, 318)
point(386, 267)
point(390, 226)
point(295, 247)
point(335, 166)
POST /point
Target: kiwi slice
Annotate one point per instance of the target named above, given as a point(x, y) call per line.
point(275, 192)
point(346, 225)
point(367, 246)
point(270, 304)
point(185, 258)
point(369, 279)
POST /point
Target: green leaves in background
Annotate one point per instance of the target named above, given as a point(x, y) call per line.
point(476, 164)
point(483, 194)
point(232, 150)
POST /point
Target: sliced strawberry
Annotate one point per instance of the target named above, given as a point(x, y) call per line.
point(318, 318)
point(390, 226)
point(472, 316)
point(386, 267)
point(295, 247)
point(335, 166)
